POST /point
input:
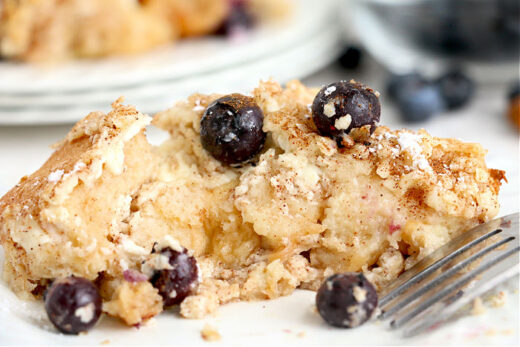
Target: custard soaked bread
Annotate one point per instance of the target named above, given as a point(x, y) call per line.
point(183, 222)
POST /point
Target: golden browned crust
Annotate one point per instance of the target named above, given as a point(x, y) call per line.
point(305, 210)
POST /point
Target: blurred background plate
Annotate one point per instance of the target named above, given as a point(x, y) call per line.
point(161, 95)
point(187, 57)
point(314, 52)
point(295, 48)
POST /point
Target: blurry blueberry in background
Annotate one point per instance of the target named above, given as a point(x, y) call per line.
point(514, 90)
point(350, 58)
point(513, 110)
point(238, 21)
point(404, 84)
point(456, 88)
point(417, 98)
point(417, 105)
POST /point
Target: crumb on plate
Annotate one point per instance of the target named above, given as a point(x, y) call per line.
point(210, 333)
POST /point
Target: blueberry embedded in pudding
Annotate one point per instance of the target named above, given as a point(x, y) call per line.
point(178, 278)
point(73, 304)
point(231, 129)
point(342, 106)
point(346, 300)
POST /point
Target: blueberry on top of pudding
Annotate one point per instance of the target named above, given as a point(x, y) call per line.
point(342, 106)
point(231, 129)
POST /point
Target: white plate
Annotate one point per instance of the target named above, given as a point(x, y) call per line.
point(303, 59)
point(186, 58)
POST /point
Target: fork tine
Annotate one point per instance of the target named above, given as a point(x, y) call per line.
point(447, 253)
point(436, 259)
point(440, 279)
point(417, 306)
point(502, 268)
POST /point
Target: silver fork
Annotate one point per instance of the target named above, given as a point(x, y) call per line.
point(440, 284)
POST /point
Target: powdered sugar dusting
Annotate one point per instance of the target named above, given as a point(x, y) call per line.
point(55, 176)
point(330, 90)
point(78, 166)
point(410, 143)
point(198, 106)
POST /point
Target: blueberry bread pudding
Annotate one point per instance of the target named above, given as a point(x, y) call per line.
point(251, 197)
point(55, 30)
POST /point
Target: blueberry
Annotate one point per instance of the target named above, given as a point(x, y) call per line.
point(179, 281)
point(456, 88)
point(238, 20)
point(73, 304)
point(350, 58)
point(231, 129)
point(514, 91)
point(342, 106)
point(402, 84)
point(420, 104)
point(346, 300)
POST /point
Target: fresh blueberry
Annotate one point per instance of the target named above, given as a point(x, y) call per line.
point(73, 304)
point(346, 300)
point(231, 129)
point(399, 84)
point(179, 281)
point(456, 88)
point(342, 106)
point(420, 104)
point(350, 58)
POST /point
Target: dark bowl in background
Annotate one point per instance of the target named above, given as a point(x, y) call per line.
point(411, 32)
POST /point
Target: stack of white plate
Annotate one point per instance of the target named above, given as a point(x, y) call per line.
point(307, 41)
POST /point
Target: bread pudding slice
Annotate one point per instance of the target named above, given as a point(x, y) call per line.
point(302, 209)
